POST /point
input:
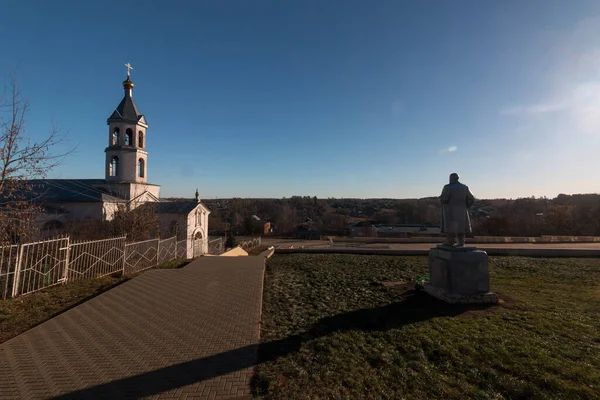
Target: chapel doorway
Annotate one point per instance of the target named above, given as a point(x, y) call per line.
point(198, 242)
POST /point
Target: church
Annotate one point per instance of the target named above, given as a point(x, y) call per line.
point(124, 187)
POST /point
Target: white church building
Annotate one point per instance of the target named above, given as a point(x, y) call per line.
point(125, 185)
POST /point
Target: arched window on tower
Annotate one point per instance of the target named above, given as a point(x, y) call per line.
point(141, 139)
point(114, 140)
point(128, 137)
point(114, 166)
point(141, 167)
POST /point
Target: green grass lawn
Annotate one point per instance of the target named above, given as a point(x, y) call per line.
point(331, 330)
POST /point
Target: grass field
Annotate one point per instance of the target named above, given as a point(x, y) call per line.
point(330, 329)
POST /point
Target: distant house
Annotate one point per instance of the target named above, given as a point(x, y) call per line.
point(363, 229)
point(304, 232)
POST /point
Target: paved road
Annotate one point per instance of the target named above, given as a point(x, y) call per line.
point(187, 333)
point(571, 246)
point(282, 243)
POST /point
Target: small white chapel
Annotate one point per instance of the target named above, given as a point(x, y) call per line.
point(125, 184)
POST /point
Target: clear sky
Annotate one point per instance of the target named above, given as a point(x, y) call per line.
point(333, 98)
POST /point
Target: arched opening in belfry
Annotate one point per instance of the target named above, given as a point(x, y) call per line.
point(141, 167)
point(115, 137)
point(141, 139)
point(114, 166)
point(128, 137)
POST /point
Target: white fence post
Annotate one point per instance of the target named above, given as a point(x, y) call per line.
point(124, 256)
point(17, 279)
point(158, 251)
point(157, 248)
point(65, 278)
point(175, 252)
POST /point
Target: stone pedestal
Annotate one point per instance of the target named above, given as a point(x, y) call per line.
point(459, 275)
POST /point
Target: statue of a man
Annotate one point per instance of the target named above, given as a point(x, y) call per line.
point(456, 200)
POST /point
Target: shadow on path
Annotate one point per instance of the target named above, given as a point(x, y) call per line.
point(415, 307)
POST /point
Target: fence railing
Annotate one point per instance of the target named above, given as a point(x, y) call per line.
point(28, 267)
point(167, 249)
point(97, 258)
point(40, 265)
point(8, 262)
point(140, 256)
point(216, 246)
point(182, 248)
point(248, 244)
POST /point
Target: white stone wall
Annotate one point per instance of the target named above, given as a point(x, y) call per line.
point(127, 168)
point(109, 210)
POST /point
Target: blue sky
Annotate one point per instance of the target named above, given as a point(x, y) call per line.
point(328, 98)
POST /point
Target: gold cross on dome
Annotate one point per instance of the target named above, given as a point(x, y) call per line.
point(129, 68)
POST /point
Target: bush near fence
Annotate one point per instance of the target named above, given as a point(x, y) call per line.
point(29, 267)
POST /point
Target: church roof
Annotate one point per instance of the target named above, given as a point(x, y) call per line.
point(127, 110)
point(69, 190)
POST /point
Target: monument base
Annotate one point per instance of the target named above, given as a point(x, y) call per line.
point(457, 298)
point(459, 275)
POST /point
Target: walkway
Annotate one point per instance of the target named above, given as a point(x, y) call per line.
point(186, 333)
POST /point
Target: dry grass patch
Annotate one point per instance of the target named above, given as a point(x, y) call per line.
point(24, 312)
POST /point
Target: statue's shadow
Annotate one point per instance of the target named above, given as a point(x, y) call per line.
point(415, 306)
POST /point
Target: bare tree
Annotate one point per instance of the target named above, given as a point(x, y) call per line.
point(286, 218)
point(21, 159)
point(136, 222)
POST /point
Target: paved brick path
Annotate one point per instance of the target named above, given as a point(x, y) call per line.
point(186, 333)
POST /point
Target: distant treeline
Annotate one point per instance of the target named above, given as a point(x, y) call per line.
point(564, 215)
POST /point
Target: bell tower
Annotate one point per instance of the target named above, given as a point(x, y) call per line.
point(126, 155)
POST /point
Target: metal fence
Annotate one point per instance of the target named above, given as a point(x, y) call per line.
point(167, 249)
point(182, 248)
point(97, 258)
point(28, 267)
point(248, 244)
point(216, 246)
point(140, 256)
point(8, 262)
point(40, 265)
